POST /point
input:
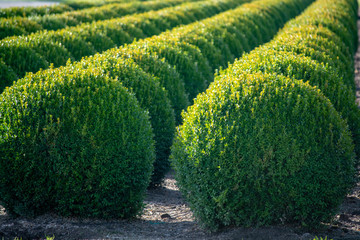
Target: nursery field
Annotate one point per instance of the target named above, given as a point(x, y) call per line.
point(180, 119)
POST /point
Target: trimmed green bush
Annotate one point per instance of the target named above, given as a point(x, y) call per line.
point(20, 56)
point(7, 75)
point(151, 96)
point(227, 35)
point(318, 54)
point(338, 16)
point(82, 4)
point(263, 149)
point(321, 45)
point(73, 142)
point(16, 26)
point(33, 11)
point(299, 67)
point(167, 76)
point(187, 59)
point(86, 39)
point(77, 46)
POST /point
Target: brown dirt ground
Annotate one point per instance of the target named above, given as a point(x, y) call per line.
point(167, 216)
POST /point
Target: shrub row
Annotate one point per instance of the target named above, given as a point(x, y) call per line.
point(82, 4)
point(25, 26)
point(196, 50)
point(85, 155)
point(262, 147)
point(76, 143)
point(34, 11)
point(28, 54)
point(190, 48)
point(318, 47)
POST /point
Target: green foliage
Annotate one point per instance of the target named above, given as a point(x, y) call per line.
point(73, 142)
point(17, 26)
point(77, 46)
point(321, 45)
point(187, 59)
point(151, 96)
point(167, 76)
point(317, 238)
point(20, 56)
point(88, 38)
point(7, 75)
point(317, 53)
point(82, 4)
point(300, 67)
point(12, 26)
point(33, 11)
point(260, 149)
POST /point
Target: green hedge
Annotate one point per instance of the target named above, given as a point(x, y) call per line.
point(151, 96)
point(167, 76)
point(317, 54)
point(16, 26)
point(7, 75)
point(196, 50)
point(82, 4)
point(228, 35)
point(260, 149)
point(34, 11)
point(73, 142)
point(187, 59)
point(86, 39)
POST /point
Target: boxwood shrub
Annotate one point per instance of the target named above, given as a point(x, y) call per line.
point(151, 96)
point(33, 11)
point(20, 56)
point(24, 25)
point(327, 49)
point(187, 59)
point(86, 39)
point(300, 67)
point(167, 76)
point(260, 149)
point(7, 75)
point(74, 143)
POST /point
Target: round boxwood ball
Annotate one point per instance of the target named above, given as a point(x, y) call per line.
point(263, 149)
point(74, 143)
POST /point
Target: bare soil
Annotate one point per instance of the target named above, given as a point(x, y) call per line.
point(167, 216)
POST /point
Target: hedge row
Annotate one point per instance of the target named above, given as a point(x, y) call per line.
point(319, 49)
point(25, 26)
point(196, 50)
point(261, 146)
point(80, 142)
point(189, 50)
point(82, 4)
point(34, 11)
point(30, 53)
point(68, 5)
point(76, 198)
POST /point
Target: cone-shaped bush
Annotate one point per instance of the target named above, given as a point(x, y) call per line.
point(262, 149)
point(151, 96)
point(74, 143)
